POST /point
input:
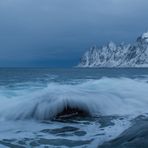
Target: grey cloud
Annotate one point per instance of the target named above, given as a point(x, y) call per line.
point(53, 30)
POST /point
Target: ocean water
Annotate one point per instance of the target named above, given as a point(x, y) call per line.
point(32, 102)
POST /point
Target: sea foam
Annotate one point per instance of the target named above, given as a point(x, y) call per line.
point(106, 96)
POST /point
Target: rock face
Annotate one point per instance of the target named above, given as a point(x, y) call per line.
point(112, 55)
point(134, 137)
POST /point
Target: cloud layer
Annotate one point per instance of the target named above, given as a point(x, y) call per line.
point(56, 32)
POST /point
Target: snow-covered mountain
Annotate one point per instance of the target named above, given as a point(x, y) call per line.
point(112, 55)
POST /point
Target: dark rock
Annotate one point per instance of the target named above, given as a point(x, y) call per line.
point(70, 112)
point(134, 137)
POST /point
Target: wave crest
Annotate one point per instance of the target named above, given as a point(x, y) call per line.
point(106, 96)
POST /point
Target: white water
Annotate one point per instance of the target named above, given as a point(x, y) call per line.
point(100, 97)
point(104, 97)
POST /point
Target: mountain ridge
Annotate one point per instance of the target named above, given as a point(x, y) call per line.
point(122, 55)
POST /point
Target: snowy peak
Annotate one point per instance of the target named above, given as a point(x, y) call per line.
point(145, 36)
point(112, 46)
point(112, 55)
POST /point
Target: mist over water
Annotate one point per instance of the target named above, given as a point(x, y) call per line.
point(32, 98)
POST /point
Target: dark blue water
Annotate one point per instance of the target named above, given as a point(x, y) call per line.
point(45, 75)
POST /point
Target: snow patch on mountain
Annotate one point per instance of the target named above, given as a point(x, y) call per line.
point(145, 36)
point(122, 55)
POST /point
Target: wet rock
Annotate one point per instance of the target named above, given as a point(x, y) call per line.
point(70, 112)
point(134, 137)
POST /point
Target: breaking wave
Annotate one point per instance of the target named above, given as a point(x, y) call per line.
point(106, 96)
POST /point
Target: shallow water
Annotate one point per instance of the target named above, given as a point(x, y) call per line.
point(31, 99)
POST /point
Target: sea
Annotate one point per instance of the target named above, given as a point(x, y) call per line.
point(80, 108)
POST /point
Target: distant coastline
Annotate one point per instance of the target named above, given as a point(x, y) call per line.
point(117, 56)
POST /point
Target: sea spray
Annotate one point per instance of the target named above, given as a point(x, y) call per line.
point(107, 96)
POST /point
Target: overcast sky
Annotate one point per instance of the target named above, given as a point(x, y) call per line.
point(55, 33)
